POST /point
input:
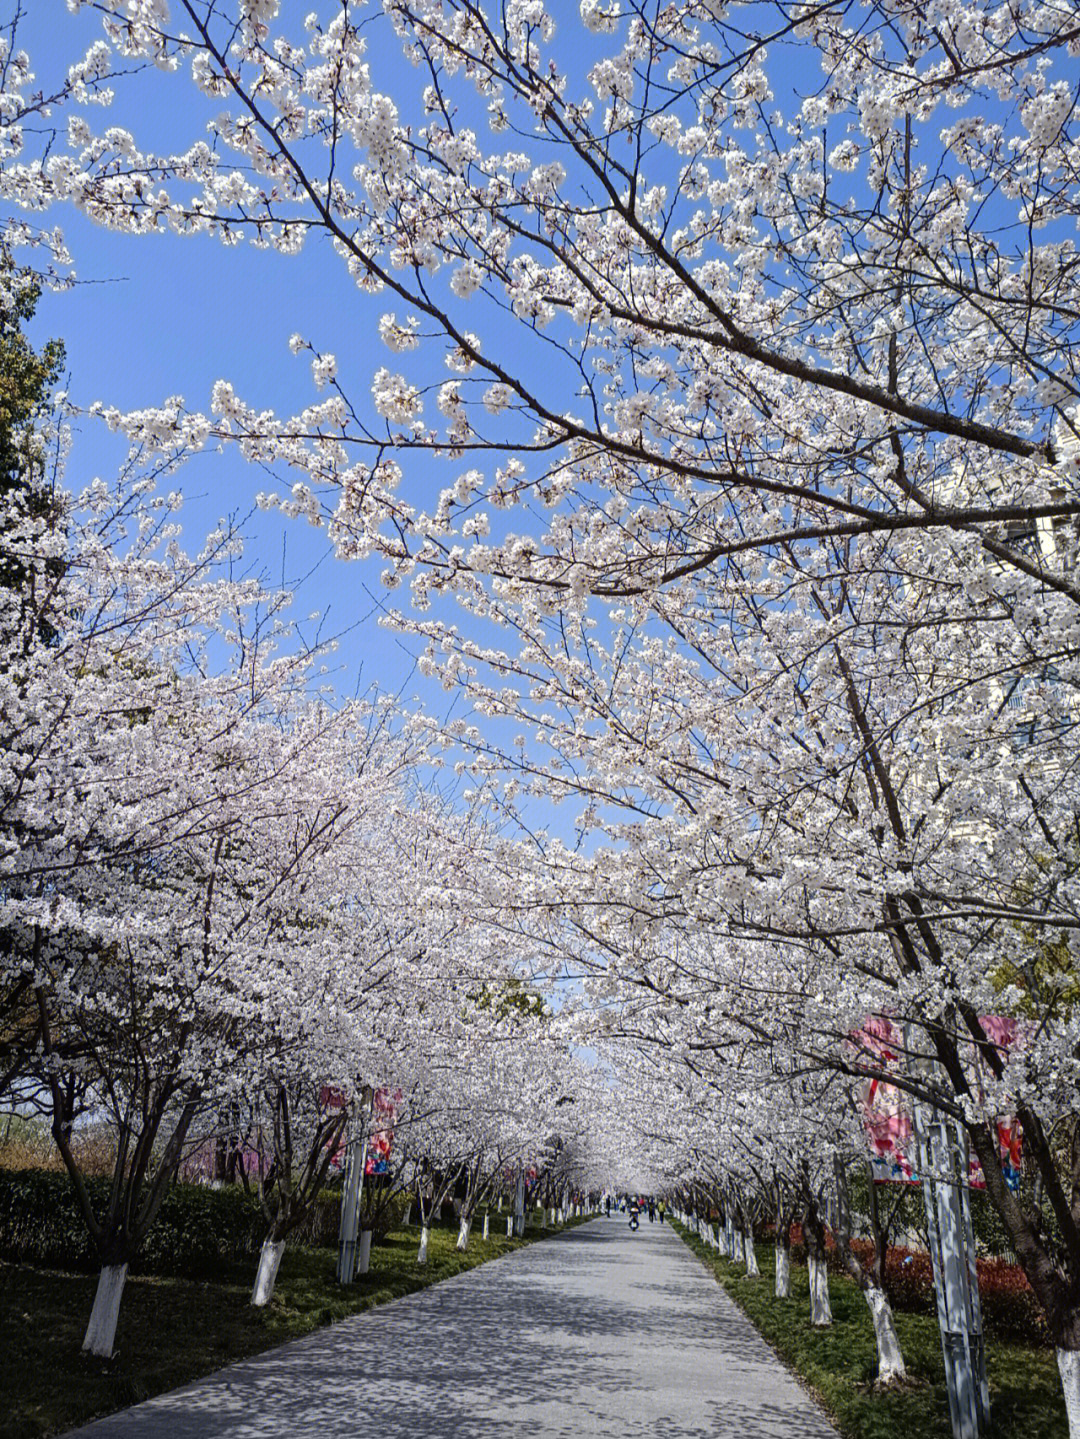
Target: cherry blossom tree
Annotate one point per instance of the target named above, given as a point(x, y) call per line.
point(793, 389)
point(178, 816)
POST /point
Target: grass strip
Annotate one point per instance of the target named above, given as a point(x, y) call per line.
point(172, 1331)
point(839, 1364)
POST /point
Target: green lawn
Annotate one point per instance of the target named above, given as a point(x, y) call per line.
point(839, 1364)
point(173, 1330)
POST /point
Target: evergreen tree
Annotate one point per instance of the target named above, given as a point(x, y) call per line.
point(27, 378)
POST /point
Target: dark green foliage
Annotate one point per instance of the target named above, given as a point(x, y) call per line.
point(511, 998)
point(26, 378)
point(195, 1231)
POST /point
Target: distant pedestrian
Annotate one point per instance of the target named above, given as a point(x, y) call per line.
point(652, 1210)
point(660, 1209)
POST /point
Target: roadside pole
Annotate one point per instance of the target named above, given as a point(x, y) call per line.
point(941, 1166)
point(355, 1159)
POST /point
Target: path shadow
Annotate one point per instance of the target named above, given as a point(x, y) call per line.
point(596, 1335)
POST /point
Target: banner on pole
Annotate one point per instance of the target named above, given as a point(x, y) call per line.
point(886, 1109)
point(384, 1108)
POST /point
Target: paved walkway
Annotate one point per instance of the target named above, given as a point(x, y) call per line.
point(596, 1333)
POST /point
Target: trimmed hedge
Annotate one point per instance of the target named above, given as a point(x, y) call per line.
point(1009, 1308)
point(197, 1228)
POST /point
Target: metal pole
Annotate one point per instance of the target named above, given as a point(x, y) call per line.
point(937, 1170)
point(975, 1327)
point(356, 1157)
point(519, 1203)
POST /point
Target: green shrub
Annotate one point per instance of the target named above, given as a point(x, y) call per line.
point(40, 1219)
point(196, 1229)
point(390, 1217)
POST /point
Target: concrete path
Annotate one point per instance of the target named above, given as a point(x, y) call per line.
point(596, 1333)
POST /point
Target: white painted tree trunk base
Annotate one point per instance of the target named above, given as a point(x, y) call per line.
point(266, 1274)
point(820, 1308)
point(101, 1331)
point(750, 1255)
point(364, 1262)
point(425, 1235)
point(783, 1272)
point(464, 1230)
point(487, 1226)
point(891, 1367)
point(509, 1228)
point(1069, 1369)
point(721, 1240)
point(408, 1218)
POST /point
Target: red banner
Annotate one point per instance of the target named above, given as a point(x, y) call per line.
point(886, 1109)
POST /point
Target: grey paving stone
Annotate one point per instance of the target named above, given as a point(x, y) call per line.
point(594, 1334)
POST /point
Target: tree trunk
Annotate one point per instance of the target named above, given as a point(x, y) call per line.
point(891, 1369)
point(750, 1255)
point(820, 1309)
point(101, 1331)
point(1069, 1369)
point(879, 1231)
point(408, 1216)
point(487, 1226)
point(463, 1233)
point(509, 1226)
point(425, 1233)
point(783, 1271)
point(266, 1274)
point(364, 1261)
point(814, 1236)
